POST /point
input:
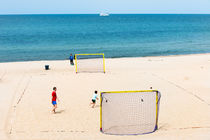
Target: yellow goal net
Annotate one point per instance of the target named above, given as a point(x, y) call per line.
point(129, 112)
point(90, 62)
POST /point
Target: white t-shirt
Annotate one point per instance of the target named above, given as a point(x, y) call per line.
point(94, 96)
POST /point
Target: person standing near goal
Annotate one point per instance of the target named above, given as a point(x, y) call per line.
point(54, 98)
point(94, 98)
point(71, 58)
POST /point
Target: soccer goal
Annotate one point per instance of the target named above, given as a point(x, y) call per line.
point(90, 62)
point(129, 112)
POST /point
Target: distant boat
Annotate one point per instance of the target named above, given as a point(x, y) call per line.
point(104, 14)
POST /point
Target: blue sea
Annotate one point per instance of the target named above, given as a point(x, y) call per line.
point(54, 37)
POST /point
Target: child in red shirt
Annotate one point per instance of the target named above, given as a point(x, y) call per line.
point(54, 97)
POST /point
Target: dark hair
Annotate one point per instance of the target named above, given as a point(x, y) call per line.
point(96, 91)
point(54, 88)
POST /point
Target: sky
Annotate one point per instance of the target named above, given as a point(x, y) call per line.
point(110, 6)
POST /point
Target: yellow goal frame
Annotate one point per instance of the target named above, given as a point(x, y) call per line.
point(157, 101)
point(90, 54)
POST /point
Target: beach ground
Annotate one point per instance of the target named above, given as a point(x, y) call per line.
point(26, 87)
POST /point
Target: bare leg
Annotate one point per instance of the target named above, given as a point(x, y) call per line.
point(54, 107)
point(93, 105)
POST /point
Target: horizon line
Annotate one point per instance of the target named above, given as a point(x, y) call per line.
point(110, 14)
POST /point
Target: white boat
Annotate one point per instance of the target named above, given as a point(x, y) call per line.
point(104, 14)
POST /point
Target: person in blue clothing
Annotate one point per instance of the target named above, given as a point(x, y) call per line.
point(71, 58)
point(94, 98)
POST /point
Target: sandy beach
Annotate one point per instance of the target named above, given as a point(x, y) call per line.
point(25, 102)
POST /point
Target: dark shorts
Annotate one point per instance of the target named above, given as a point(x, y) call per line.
point(54, 102)
point(94, 101)
point(71, 62)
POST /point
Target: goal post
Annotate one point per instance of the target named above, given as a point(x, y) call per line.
point(94, 62)
point(129, 112)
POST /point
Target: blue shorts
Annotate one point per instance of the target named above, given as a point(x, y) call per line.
point(54, 102)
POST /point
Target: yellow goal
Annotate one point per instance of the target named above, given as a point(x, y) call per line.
point(129, 112)
point(90, 62)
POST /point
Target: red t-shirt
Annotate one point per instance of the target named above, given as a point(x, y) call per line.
point(54, 96)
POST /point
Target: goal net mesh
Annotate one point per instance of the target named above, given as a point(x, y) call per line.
point(130, 112)
point(90, 62)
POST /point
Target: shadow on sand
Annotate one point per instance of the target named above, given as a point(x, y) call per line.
point(60, 111)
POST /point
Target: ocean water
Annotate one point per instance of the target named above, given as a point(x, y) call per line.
point(54, 37)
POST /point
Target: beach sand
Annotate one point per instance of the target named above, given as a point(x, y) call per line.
point(25, 102)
